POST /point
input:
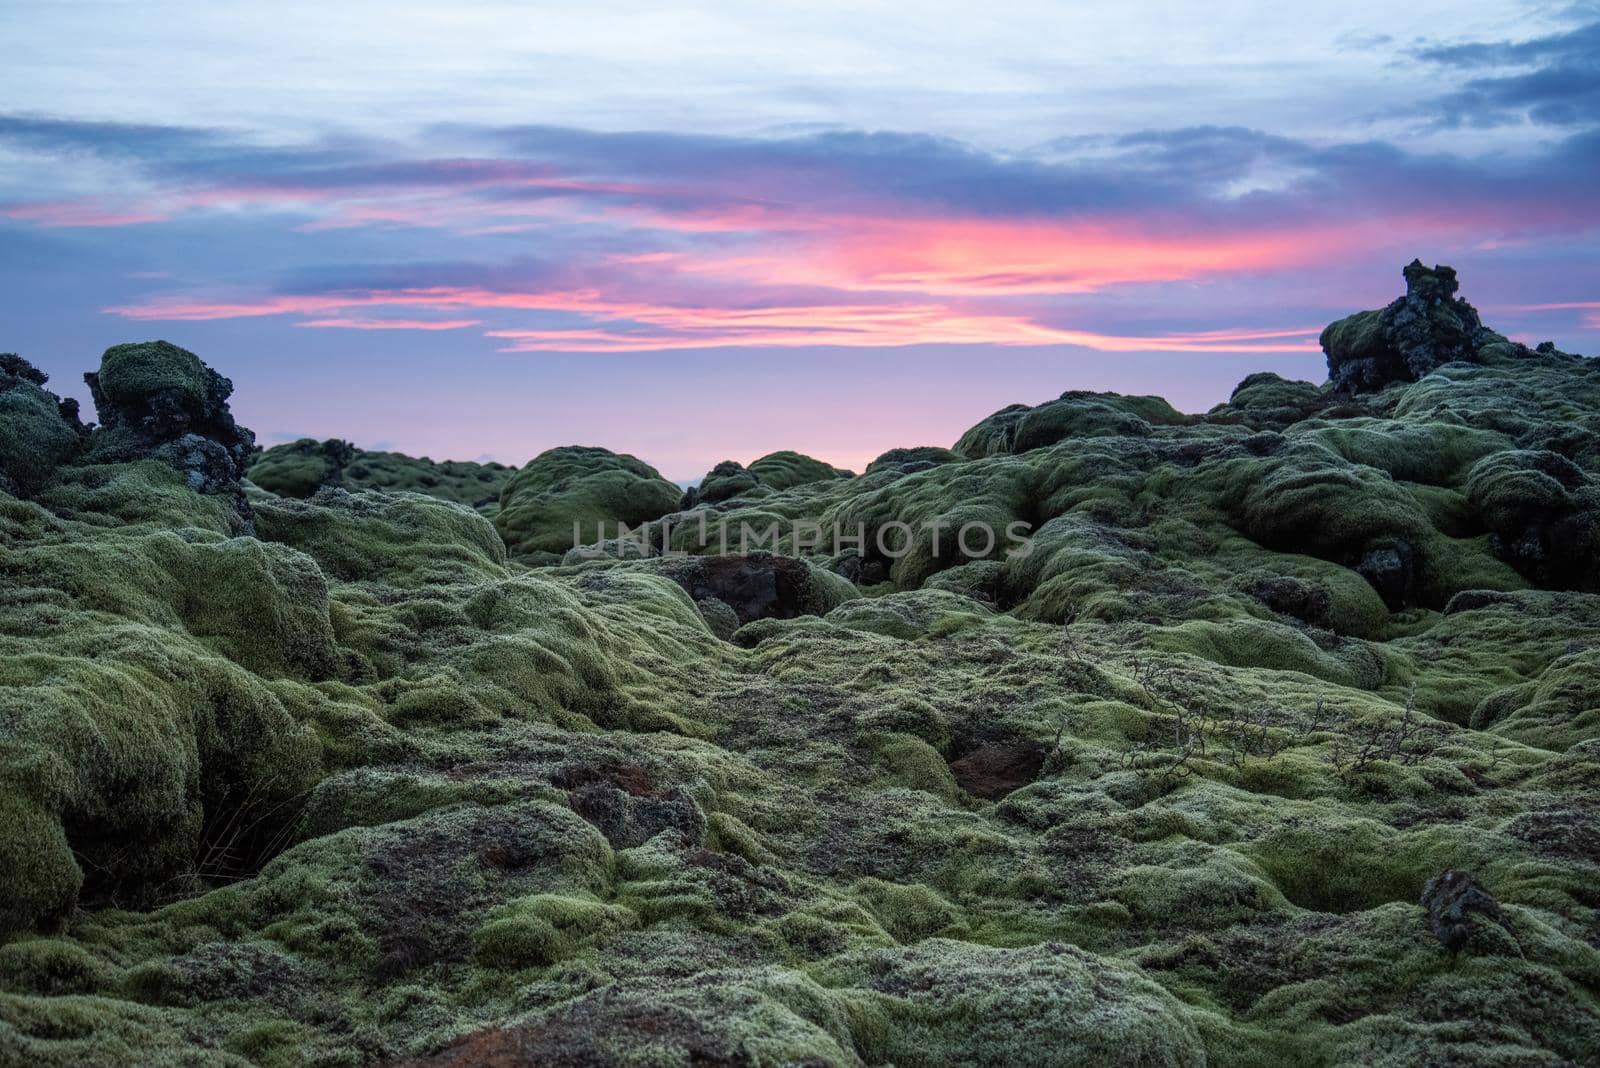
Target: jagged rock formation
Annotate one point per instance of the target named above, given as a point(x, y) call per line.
point(157, 401)
point(1417, 333)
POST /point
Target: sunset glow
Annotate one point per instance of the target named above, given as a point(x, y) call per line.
point(1067, 238)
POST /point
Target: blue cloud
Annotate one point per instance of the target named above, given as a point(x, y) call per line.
point(1552, 80)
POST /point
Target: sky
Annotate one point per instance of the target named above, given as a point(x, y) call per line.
point(707, 231)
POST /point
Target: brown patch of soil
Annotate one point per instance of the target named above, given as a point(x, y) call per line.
point(995, 770)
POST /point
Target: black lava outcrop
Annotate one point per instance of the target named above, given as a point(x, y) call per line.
point(1457, 906)
point(733, 590)
point(1402, 342)
point(1427, 327)
point(157, 401)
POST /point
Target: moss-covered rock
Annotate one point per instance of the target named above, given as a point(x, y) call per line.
point(576, 495)
point(1418, 332)
point(787, 469)
point(38, 431)
point(725, 481)
point(300, 468)
point(158, 401)
point(1075, 414)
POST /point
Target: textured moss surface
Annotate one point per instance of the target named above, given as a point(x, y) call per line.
point(576, 494)
point(389, 781)
point(300, 468)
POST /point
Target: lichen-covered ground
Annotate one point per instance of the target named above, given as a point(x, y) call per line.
point(338, 780)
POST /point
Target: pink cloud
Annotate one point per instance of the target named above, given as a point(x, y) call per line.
point(634, 325)
point(769, 274)
point(351, 323)
point(61, 214)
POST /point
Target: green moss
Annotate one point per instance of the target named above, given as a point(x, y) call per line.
point(1075, 414)
point(575, 495)
point(910, 761)
point(130, 373)
point(726, 481)
point(399, 537)
point(945, 1002)
point(921, 457)
point(1340, 865)
point(518, 942)
point(35, 436)
point(300, 468)
point(52, 966)
point(140, 494)
point(786, 469)
point(910, 913)
point(41, 877)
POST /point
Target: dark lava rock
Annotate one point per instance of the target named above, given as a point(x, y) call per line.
point(859, 569)
point(157, 401)
point(1293, 597)
point(38, 430)
point(1453, 900)
point(628, 821)
point(1412, 336)
point(1391, 570)
point(757, 585)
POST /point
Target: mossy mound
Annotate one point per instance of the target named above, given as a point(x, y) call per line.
point(766, 476)
point(1051, 1004)
point(724, 482)
point(575, 495)
point(1265, 400)
point(786, 469)
point(153, 374)
point(910, 461)
point(38, 431)
point(300, 468)
point(1075, 414)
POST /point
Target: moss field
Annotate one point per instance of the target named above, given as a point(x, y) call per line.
point(397, 780)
